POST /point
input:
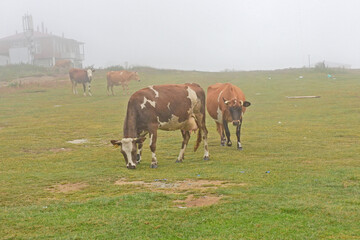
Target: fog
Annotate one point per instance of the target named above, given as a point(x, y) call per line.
point(204, 35)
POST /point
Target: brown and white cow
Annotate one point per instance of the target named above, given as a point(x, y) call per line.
point(115, 78)
point(166, 107)
point(81, 76)
point(226, 103)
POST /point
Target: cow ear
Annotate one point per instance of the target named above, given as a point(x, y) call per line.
point(246, 104)
point(225, 101)
point(140, 140)
point(116, 143)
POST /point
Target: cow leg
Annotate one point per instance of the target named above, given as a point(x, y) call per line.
point(127, 89)
point(206, 149)
point(123, 87)
point(73, 87)
point(220, 129)
point(200, 121)
point(89, 89)
point(139, 152)
point(153, 138)
point(227, 132)
point(112, 90)
point(84, 87)
point(238, 131)
point(186, 137)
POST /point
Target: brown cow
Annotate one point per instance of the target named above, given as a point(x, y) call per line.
point(120, 77)
point(165, 107)
point(226, 103)
point(81, 76)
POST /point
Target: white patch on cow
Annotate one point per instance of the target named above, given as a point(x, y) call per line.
point(172, 124)
point(153, 156)
point(127, 147)
point(89, 73)
point(151, 139)
point(193, 98)
point(152, 103)
point(156, 92)
point(220, 95)
point(168, 105)
point(239, 144)
point(219, 115)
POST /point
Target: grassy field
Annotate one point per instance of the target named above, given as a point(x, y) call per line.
point(298, 176)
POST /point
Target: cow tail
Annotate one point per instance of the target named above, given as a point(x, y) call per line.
point(198, 140)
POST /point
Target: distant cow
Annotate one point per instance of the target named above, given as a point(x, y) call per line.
point(63, 64)
point(120, 77)
point(226, 103)
point(165, 107)
point(81, 76)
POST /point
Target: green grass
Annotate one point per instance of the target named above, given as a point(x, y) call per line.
point(310, 146)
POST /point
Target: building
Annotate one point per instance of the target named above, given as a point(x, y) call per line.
point(45, 49)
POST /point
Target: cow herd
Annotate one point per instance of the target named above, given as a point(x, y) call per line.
point(171, 107)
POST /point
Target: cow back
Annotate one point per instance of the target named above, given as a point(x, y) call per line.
point(164, 103)
point(78, 75)
point(116, 77)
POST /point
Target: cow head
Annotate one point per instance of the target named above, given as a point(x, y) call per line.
point(89, 72)
point(235, 108)
point(135, 76)
point(129, 149)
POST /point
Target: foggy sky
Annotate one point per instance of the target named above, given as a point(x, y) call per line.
point(206, 35)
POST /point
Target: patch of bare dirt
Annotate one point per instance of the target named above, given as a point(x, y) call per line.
point(78, 141)
point(201, 201)
point(190, 187)
point(57, 150)
point(68, 187)
point(179, 186)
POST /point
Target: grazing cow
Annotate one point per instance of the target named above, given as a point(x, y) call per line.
point(81, 76)
point(165, 107)
point(120, 77)
point(226, 103)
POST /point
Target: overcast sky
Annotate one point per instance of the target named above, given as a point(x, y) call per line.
point(207, 35)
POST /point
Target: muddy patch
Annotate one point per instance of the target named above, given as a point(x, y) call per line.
point(78, 141)
point(203, 189)
point(201, 201)
point(178, 186)
point(68, 187)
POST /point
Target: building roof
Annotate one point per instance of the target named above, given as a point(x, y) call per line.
point(36, 35)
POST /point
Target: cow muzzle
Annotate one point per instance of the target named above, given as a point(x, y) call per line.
point(236, 122)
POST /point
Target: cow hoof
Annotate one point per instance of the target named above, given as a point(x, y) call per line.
point(239, 148)
point(222, 144)
point(229, 144)
point(153, 166)
point(206, 158)
point(131, 167)
point(178, 161)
